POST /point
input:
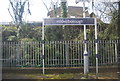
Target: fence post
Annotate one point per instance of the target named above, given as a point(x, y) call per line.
point(116, 60)
point(67, 53)
point(17, 53)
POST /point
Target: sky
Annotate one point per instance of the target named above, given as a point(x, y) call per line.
point(38, 10)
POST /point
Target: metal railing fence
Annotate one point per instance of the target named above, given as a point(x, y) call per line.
point(57, 53)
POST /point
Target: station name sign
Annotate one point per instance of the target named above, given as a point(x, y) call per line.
point(69, 21)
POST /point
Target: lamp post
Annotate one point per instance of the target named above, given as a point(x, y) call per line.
point(85, 54)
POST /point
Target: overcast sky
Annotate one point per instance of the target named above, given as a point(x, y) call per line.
point(37, 8)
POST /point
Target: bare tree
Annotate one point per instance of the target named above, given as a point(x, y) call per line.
point(17, 10)
point(105, 10)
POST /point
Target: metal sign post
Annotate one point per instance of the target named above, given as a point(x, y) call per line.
point(43, 45)
point(85, 54)
point(96, 48)
point(74, 21)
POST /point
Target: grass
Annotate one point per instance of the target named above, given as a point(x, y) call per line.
point(73, 76)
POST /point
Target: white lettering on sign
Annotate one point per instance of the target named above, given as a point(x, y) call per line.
point(69, 21)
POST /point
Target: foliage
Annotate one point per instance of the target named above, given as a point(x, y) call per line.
point(27, 32)
point(64, 9)
point(9, 33)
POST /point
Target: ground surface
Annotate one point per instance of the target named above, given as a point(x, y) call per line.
point(61, 76)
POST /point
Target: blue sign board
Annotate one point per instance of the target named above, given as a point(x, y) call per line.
point(69, 21)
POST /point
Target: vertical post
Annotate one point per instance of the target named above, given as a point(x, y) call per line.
point(116, 59)
point(43, 48)
point(17, 53)
point(96, 48)
point(67, 53)
point(1, 53)
point(85, 46)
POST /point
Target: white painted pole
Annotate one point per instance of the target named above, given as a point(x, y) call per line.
point(85, 46)
point(1, 53)
point(43, 48)
point(116, 60)
point(96, 47)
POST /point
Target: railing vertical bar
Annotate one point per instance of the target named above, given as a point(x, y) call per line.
point(109, 43)
point(55, 61)
point(20, 53)
point(8, 47)
point(116, 56)
point(100, 46)
point(92, 49)
point(5, 44)
point(64, 59)
point(25, 45)
point(4, 54)
point(33, 53)
point(111, 52)
point(16, 54)
point(9, 53)
point(51, 56)
point(77, 56)
point(70, 53)
point(12, 53)
point(78, 53)
point(3, 62)
point(81, 53)
point(53, 53)
point(62, 47)
point(21, 45)
point(103, 52)
point(38, 55)
point(23, 54)
point(58, 53)
point(107, 52)
point(48, 53)
point(61, 52)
